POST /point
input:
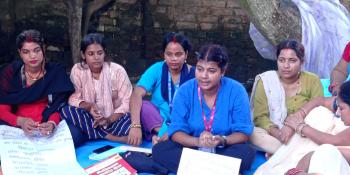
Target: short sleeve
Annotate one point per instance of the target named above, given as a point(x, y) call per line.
point(76, 98)
point(346, 53)
point(150, 77)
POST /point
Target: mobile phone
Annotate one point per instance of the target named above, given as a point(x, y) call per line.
point(103, 149)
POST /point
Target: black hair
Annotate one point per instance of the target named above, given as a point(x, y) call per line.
point(294, 45)
point(92, 38)
point(344, 92)
point(178, 38)
point(30, 35)
point(213, 52)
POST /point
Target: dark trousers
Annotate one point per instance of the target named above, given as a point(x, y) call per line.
point(78, 136)
point(168, 154)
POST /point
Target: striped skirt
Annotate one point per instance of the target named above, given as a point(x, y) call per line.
point(84, 120)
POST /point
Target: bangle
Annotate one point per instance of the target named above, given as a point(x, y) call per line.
point(53, 123)
point(331, 86)
point(272, 126)
point(303, 110)
point(301, 130)
point(294, 171)
point(135, 126)
point(297, 127)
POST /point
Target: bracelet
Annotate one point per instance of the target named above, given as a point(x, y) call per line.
point(293, 171)
point(331, 86)
point(303, 110)
point(53, 123)
point(301, 130)
point(223, 145)
point(297, 127)
point(135, 126)
point(272, 126)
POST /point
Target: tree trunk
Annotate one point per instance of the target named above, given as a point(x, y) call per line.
point(92, 7)
point(74, 27)
point(277, 20)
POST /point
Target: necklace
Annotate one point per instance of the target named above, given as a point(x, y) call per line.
point(35, 78)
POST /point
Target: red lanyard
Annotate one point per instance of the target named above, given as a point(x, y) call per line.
point(207, 125)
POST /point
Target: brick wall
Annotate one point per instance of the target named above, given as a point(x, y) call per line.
point(136, 29)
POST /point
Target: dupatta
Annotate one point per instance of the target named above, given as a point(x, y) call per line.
point(55, 85)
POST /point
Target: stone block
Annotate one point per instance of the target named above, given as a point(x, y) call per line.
point(127, 1)
point(222, 11)
point(156, 24)
point(207, 26)
point(101, 28)
point(168, 2)
point(233, 4)
point(186, 25)
point(161, 9)
point(153, 2)
point(191, 3)
point(229, 26)
point(214, 3)
point(207, 18)
point(110, 28)
point(186, 17)
point(113, 13)
point(239, 12)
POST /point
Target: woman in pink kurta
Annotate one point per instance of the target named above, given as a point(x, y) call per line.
point(99, 107)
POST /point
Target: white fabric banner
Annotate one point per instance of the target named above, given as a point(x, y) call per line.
point(325, 33)
point(54, 155)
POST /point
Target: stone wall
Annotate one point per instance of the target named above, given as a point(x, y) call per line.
point(134, 30)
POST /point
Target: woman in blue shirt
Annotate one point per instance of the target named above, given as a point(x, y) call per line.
point(161, 80)
point(211, 113)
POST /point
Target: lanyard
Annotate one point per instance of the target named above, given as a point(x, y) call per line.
point(170, 96)
point(207, 125)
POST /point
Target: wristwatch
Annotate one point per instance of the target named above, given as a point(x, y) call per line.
point(223, 144)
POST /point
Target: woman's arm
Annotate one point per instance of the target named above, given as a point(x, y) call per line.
point(185, 139)
point(315, 102)
point(135, 134)
point(340, 139)
point(235, 138)
point(338, 75)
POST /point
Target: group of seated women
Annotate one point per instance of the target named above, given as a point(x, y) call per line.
point(199, 107)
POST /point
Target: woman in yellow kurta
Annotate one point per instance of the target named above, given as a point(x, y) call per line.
point(276, 94)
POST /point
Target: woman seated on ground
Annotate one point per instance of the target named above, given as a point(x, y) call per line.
point(320, 127)
point(212, 114)
point(161, 80)
point(32, 90)
point(279, 93)
point(99, 107)
point(333, 154)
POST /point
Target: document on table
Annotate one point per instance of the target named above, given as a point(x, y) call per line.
point(54, 155)
point(203, 163)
